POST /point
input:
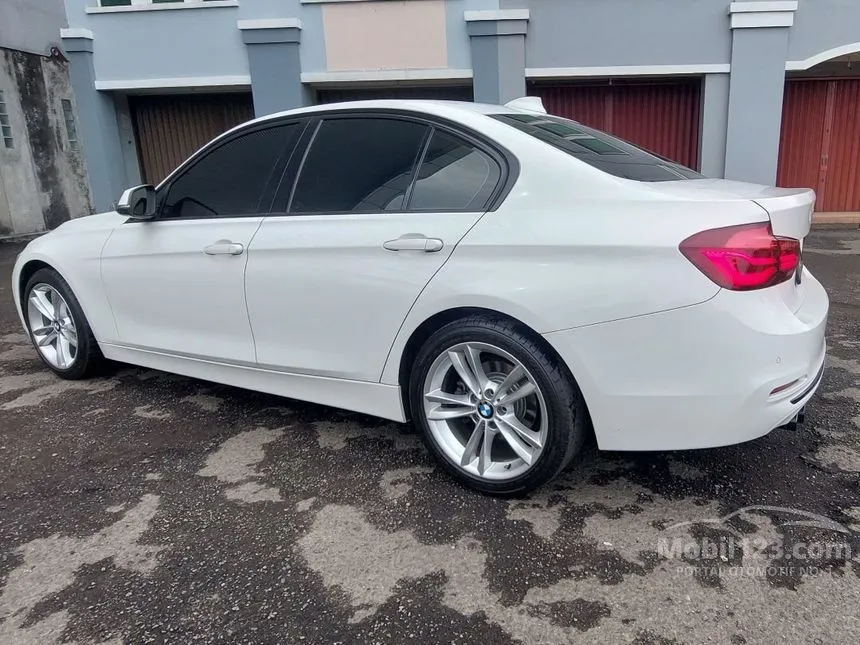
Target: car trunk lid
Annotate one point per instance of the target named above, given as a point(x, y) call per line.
point(788, 209)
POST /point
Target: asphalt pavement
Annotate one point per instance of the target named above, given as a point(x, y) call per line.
point(143, 507)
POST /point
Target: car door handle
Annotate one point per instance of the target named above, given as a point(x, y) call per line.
point(414, 243)
point(224, 247)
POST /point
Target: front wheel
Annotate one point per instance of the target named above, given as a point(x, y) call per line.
point(500, 413)
point(57, 326)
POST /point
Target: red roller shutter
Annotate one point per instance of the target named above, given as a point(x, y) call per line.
point(820, 141)
point(659, 116)
point(842, 192)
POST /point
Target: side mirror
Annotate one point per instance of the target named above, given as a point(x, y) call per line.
point(137, 202)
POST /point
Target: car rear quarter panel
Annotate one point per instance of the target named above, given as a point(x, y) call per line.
point(571, 247)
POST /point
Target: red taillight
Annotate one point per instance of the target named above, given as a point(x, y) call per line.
point(743, 257)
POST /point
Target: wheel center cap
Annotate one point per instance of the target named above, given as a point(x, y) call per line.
point(485, 410)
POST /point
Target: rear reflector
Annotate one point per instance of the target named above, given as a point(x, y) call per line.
point(783, 388)
point(744, 257)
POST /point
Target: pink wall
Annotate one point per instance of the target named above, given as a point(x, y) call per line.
point(409, 34)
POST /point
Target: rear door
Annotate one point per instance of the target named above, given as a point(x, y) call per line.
point(373, 210)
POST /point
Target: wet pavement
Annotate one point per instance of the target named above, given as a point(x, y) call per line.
point(149, 508)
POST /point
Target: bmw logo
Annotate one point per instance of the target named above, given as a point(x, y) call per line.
point(485, 410)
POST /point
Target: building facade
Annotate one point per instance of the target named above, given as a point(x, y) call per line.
point(43, 179)
point(765, 90)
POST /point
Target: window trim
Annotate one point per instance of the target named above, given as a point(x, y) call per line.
point(68, 110)
point(160, 6)
point(8, 139)
point(264, 205)
point(508, 164)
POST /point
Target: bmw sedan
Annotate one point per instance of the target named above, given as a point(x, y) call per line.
point(509, 281)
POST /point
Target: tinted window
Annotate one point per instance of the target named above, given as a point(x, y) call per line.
point(359, 165)
point(454, 175)
point(229, 181)
point(599, 149)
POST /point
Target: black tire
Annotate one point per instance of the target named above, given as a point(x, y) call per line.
point(88, 359)
point(566, 410)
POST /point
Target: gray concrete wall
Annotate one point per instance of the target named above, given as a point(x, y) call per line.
point(512, 60)
point(562, 33)
point(178, 43)
point(459, 48)
point(715, 115)
point(312, 49)
point(44, 177)
point(127, 141)
point(276, 68)
point(756, 89)
point(821, 25)
point(581, 33)
point(5, 211)
point(275, 71)
point(31, 25)
point(485, 65)
point(99, 128)
point(741, 113)
point(498, 56)
point(20, 188)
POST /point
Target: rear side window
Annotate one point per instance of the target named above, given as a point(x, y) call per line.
point(598, 149)
point(229, 181)
point(454, 175)
point(359, 165)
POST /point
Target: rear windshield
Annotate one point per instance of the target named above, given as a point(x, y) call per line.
point(599, 149)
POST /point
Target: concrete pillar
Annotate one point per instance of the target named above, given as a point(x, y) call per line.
point(715, 114)
point(756, 85)
point(275, 65)
point(498, 43)
point(97, 122)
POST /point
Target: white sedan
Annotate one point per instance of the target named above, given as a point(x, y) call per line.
point(505, 279)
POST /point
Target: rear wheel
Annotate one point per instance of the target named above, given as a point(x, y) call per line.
point(57, 326)
point(494, 406)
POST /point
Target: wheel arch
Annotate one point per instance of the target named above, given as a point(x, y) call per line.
point(27, 271)
point(438, 320)
point(37, 262)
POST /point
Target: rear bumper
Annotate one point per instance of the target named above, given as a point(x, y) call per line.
point(700, 376)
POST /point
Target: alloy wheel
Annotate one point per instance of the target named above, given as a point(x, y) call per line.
point(485, 411)
point(52, 326)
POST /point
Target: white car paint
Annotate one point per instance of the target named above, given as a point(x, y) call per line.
point(316, 309)
point(167, 295)
point(334, 271)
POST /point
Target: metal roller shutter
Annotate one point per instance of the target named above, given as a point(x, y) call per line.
point(660, 116)
point(170, 128)
point(820, 141)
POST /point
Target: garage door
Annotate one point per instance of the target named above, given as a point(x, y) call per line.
point(459, 93)
point(820, 144)
point(662, 117)
point(170, 128)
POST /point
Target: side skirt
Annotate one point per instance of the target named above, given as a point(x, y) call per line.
point(375, 399)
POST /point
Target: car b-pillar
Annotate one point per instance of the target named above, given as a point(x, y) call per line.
point(497, 40)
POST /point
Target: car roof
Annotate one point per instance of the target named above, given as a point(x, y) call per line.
point(427, 106)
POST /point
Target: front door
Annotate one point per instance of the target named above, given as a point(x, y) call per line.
point(377, 209)
point(176, 284)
